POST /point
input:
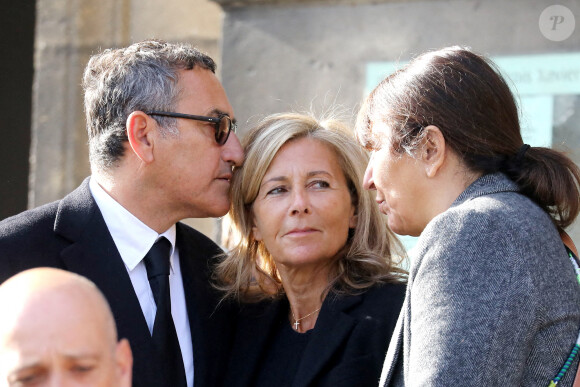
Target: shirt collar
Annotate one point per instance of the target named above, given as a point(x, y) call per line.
point(132, 237)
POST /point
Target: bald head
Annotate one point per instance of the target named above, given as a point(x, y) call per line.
point(57, 327)
point(48, 293)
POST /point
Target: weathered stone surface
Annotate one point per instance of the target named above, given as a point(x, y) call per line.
point(311, 55)
point(274, 55)
point(244, 3)
point(67, 33)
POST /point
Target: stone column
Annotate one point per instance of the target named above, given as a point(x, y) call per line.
point(67, 33)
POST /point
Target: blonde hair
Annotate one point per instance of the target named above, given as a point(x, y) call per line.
point(248, 272)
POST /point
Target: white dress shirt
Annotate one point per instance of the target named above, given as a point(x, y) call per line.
point(133, 239)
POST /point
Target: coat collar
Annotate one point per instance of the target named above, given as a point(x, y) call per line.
point(92, 254)
point(255, 327)
point(487, 185)
point(394, 352)
point(206, 322)
point(332, 328)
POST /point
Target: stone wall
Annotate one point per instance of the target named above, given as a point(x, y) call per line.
point(67, 33)
point(311, 55)
point(275, 55)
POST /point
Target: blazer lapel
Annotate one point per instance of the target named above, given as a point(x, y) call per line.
point(254, 330)
point(332, 328)
point(197, 304)
point(210, 322)
point(393, 352)
point(93, 254)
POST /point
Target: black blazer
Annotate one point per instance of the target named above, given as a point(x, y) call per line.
point(347, 346)
point(71, 234)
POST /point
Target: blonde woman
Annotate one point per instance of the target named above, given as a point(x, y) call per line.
point(310, 258)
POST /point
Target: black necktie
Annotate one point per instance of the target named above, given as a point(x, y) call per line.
point(164, 335)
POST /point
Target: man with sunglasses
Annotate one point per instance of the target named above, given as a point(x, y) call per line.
point(161, 150)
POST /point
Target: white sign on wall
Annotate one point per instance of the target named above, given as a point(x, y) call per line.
point(534, 80)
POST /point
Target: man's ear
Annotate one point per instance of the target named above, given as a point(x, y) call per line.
point(433, 151)
point(140, 129)
point(124, 359)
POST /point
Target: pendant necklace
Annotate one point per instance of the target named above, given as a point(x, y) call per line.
point(297, 320)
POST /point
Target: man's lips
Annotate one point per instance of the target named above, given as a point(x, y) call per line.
point(383, 207)
point(226, 177)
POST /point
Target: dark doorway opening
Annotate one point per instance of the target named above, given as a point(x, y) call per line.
point(17, 21)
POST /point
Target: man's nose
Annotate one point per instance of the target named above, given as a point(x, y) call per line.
point(368, 182)
point(232, 151)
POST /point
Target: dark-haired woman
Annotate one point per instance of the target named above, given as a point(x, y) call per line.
point(492, 298)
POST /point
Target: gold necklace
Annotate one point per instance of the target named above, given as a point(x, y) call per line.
point(297, 320)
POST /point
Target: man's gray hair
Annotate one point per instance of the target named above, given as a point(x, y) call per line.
point(120, 81)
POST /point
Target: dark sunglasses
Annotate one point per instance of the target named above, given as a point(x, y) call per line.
point(223, 124)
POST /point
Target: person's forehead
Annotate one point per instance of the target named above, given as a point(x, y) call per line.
point(61, 317)
point(380, 132)
point(61, 331)
point(380, 127)
point(310, 156)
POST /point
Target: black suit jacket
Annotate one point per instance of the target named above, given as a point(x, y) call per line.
point(347, 347)
point(71, 234)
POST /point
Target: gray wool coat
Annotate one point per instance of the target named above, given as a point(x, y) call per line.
point(492, 298)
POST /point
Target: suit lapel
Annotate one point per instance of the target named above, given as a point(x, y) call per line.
point(93, 254)
point(332, 327)
point(254, 330)
point(209, 323)
point(193, 288)
point(394, 351)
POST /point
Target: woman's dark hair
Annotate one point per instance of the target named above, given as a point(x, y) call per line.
point(464, 95)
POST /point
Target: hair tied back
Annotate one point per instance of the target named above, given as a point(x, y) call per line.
point(521, 152)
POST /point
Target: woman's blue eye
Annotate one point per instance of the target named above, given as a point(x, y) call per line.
point(321, 183)
point(276, 190)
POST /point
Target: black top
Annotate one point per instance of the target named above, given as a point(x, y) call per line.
point(346, 348)
point(282, 356)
